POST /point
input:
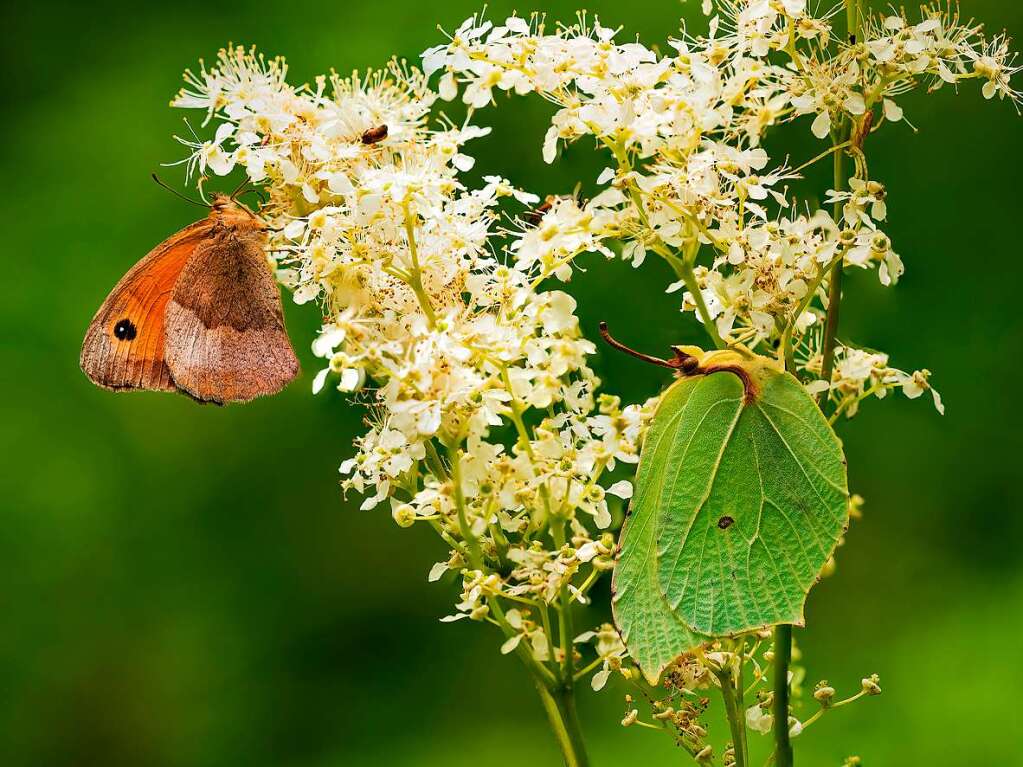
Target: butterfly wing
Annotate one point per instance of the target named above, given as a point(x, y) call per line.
point(226, 340)
point(124, 345)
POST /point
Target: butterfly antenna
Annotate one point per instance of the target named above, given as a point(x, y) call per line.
point(176, 193)
point(260, 198)
point(616, 344)
point(240, 189)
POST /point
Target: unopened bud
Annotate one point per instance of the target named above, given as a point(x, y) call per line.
point(630, 718)
point(704, 754)
point(824, 694)
point(871, 685)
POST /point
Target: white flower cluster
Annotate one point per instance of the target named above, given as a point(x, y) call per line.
point(684, 132)
point(485, 421)
point(860, 373)
point(484, 418)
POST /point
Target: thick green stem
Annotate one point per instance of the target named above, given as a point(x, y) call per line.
point(559, 705)
point(780, 706)
point(852, 20)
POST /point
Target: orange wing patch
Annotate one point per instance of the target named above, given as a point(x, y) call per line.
point(124, 345)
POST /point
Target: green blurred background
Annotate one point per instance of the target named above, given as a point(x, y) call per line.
point(183, 586)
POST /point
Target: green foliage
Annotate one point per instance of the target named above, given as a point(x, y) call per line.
point(740, 500)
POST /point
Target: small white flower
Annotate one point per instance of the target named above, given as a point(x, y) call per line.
point(758, 720)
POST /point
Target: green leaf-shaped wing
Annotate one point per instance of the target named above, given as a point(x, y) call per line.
point(740, 499)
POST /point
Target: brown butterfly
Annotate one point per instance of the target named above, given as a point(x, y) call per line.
point(200, 314)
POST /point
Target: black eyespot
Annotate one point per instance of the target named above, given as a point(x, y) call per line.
point(725, 522)
point(124, 330)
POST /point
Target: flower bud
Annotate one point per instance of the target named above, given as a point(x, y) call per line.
point(871, 685)
point(704, 754)
point(824, 694)
point(630, 718)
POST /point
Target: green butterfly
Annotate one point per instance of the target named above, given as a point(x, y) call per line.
point(741, 498)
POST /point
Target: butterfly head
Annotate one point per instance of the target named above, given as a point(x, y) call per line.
point(229, 210)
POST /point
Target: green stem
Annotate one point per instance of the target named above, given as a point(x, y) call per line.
point(471, 541)
point(780, 706)
point(734, 712)
point(415, 279)
point(853, 18)
point(740, 694)
point(684, 269)
point(565, 629)
point(835, 286)
point(559, 706)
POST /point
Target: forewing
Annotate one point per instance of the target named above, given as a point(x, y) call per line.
point(124, 345)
